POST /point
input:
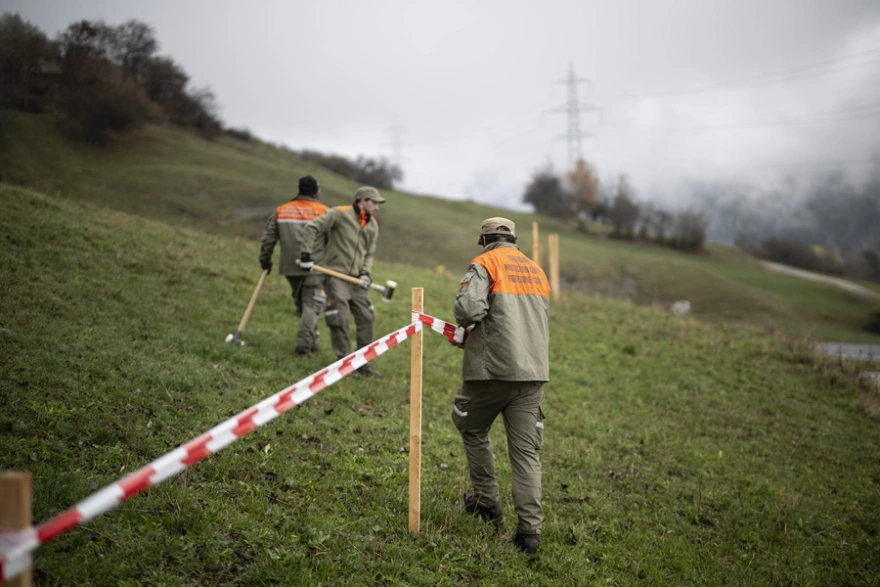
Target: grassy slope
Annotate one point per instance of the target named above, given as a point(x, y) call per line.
point(228, 187)
point(677, 452)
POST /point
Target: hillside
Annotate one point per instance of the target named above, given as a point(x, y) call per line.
point(228, 187)
point(677, 451)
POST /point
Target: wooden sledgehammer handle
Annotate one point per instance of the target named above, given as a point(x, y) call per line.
point(250, 306)
point(344, 277)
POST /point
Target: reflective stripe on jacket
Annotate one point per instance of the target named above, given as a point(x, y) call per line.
point(507, 297)
point(351, 240)
point(287, 224)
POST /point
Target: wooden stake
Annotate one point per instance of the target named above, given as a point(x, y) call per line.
point(553, 259)
point(15, 512)
point(415, 418)
point(536, 244)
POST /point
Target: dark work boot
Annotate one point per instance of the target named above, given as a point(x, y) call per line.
point(301, 351)
point(472, 505)
point(369, 370)
point(528, 543)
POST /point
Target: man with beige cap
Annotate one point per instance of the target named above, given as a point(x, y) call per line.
point(351, 233)
point(504, 301)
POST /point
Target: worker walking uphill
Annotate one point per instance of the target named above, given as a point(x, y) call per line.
point(287, 225)
point(504, 300)
point(351, 233)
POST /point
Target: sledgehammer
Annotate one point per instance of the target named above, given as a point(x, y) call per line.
point(387, 289)
point(236, 339)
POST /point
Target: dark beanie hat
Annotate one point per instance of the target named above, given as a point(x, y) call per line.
point(308, 185)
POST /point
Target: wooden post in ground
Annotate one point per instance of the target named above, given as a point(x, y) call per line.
point(553, 260)
point(415, 418)
point(15, 512)
point(536, 245)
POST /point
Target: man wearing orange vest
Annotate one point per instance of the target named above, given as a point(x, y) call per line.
point(350, 233)
point(504, 301)
point(286, 225)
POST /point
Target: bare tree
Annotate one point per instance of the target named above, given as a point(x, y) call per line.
point(26, 55)
point(165, 82)
point(689, 233)
point(624, 210)
point(662, 222)
point(133, 45)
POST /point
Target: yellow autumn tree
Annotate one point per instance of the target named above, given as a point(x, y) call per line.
point(583, 183)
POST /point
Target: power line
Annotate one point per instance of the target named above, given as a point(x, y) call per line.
point(801, 71)
point(849, 112)
point(704, 162)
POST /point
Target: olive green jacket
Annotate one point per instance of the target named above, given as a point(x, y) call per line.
point(351, 240)
point(287, 225)
point(507, 298)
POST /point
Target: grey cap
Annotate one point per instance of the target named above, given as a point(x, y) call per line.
point(368, 193)
point(498, 225)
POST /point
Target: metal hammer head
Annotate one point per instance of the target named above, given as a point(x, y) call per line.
point(388, 290)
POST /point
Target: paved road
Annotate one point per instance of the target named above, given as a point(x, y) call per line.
point(851, 352)
point(848, 351)
point(842, 283)
point(854, 352)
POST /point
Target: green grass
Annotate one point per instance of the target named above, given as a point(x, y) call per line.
point(227, 188)
point(677, 451)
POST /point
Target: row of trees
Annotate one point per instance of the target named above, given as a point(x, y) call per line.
point(579, 195)
point(105, 79)
point(379, 173)
point(109, 79)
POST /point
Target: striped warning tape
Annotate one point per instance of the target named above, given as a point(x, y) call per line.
point(450, 331)
point(16, 546)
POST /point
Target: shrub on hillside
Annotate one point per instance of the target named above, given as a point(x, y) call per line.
point(378, 173)
point(797, 254)
point(872, 261)
point(873, 323)
point(241, 134)
point(102, 101)
point(547, 195)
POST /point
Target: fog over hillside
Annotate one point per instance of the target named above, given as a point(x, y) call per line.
point(471, 98)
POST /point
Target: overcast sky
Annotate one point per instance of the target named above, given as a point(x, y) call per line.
point(471, 97)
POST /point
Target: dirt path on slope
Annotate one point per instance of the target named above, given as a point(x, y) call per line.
point(842, 283)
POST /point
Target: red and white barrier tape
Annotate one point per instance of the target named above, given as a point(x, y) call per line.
point(455, 334)
point(16, 546)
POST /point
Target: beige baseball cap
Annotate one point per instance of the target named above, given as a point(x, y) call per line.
point(498, 225)
point(368, 193)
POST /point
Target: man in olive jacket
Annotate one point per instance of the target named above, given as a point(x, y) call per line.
point(351, 233)
point(286, 224)
point(504, 300)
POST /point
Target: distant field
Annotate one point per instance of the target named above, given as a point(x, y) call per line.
point(677, 451)
point(227, 188)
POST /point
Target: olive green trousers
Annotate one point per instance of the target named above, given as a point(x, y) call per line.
point(344, 300)
point(308, 297)
point(476, 406)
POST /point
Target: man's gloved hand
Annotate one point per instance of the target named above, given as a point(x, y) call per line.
point(266, 266)
point(365, 278)
point(305, 261)
point(461, 334)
